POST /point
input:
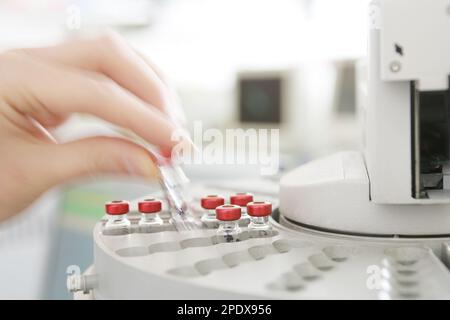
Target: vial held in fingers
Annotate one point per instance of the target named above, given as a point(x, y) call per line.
point(228, 216)
point(117, 222)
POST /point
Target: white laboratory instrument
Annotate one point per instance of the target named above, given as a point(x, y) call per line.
point(400, 183)
point(370, 225)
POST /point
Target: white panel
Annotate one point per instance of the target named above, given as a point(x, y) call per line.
point(341, 201)
point(421, 28)
point(388, 133)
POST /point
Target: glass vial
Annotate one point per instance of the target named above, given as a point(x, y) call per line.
point(228, 216)
point(150, 220)
point(241, 199)
point(210, 203)
point(117, 222)
point(259, 213)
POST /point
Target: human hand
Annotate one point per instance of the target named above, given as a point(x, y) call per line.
point(41, 87)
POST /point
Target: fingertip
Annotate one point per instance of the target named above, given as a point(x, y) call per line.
point(103, 155)
point(166, 152)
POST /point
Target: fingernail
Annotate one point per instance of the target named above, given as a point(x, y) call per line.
point(166, 152)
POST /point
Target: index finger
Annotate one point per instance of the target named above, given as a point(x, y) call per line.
point(60, 90)
point(111, 56)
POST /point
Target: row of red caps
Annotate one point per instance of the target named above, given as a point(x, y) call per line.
point(224, 212)
point(122, 207)
point(232, 211)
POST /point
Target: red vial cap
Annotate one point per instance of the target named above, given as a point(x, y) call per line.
point(228, 212)
point(117, 207)
point(149, 206)
point(212, 201)
point(241, 199)
point(259, 209)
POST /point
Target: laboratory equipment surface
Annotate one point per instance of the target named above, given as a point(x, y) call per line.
point(292, 262)
point(362, 225)
point(399, 184)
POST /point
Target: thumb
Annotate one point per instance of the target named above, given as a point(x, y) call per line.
point(98, 155)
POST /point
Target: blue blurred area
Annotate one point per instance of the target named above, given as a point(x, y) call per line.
point(71, 247)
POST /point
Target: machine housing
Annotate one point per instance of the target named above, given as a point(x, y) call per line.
point(399, 183)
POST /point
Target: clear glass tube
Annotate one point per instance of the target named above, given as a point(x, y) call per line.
point(150, 222)
point(229, 231)
point(259, 223)
point(117, 225)
point(259, 227)
point(150, 219)
point(209, 218)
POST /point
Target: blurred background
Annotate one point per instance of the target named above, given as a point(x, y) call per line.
point(284, 64)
